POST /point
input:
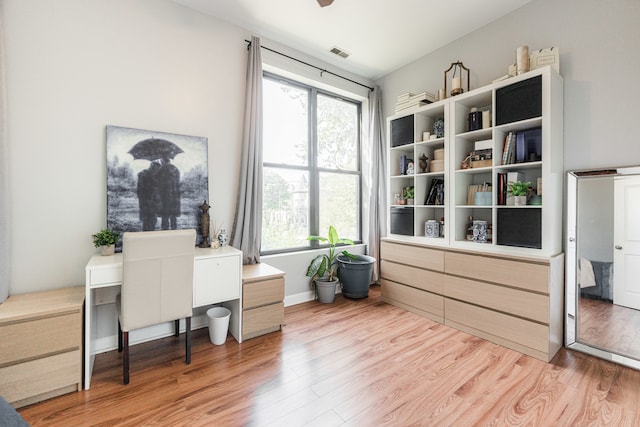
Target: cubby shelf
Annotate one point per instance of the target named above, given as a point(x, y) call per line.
point(530, 107)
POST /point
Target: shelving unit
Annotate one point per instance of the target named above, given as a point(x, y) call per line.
point(508, 289)
point(413, 147)
point(530, 101)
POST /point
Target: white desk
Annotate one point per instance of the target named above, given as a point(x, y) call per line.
point(217, 278)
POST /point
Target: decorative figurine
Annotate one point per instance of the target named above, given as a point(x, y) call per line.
point(423, 163)
point(204, 225)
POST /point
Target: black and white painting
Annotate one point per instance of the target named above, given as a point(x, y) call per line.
point(155, 180)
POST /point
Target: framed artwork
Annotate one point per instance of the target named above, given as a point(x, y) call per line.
point(155, 180)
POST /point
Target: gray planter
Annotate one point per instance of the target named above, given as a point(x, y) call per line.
point(326, 290)
point(355, 275)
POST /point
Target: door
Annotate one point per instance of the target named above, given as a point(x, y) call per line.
point(626, 238)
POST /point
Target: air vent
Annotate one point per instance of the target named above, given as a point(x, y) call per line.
point(341, 53)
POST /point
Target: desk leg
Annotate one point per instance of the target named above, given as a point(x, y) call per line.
point(235, 321)
point(89, 335)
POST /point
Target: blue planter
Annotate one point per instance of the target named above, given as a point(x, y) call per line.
point(355, 275)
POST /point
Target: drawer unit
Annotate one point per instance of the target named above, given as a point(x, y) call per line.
point(412, 276)
point(512, 301)
point(41, 353)
point(264, 292)
point(262, 300)
point(262, 320)
point(420, 257)
point(415, 300)
point(216, 279)
point(523, 274)
point(500, 298)
point(527, 337)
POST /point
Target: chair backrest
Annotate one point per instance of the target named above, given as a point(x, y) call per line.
point(157, 277)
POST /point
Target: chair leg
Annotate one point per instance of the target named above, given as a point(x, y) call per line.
point(188, 340)
point(176, 332)
point(119, 337)
point(125, 358)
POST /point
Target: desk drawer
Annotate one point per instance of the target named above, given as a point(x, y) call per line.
point(40, 336)
point(261, 318)
point(216, 280)
point(29, 379)
point(102, 276)
point(261, 293)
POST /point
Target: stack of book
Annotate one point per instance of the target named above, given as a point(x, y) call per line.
point(472, 189)
point(410, 100)
point(509, 149)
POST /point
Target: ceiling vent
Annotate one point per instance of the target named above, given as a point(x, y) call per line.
point(341, 53)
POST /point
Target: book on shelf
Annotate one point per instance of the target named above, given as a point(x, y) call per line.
point(435, 195)
point(502, 188)
point(522, 146)
point(472, 189)
point(508, 152)
point(410, 100)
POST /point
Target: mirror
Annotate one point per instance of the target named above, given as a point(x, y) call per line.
point(603, 264)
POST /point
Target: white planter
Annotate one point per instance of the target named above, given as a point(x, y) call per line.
point(107, 250)
point(326, 290)
point(520, 200)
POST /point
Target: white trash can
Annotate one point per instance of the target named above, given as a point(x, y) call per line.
point(218, 324)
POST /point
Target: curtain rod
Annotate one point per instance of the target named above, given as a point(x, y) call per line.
point(322, 70)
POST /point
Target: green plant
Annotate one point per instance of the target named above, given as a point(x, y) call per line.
point(105, 237)
point(408, 192)
point(519, 188)
point(322, 265)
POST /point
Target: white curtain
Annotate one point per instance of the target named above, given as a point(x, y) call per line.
point(378, 194)
point(248, 220)
point(4, 179)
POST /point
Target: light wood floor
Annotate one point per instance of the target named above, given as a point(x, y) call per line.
point(609, 327)
point(352, 363)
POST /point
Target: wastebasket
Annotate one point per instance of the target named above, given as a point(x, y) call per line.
point(218, 324)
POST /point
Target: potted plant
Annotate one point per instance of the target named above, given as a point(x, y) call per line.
point(408, 194)
point(321, 269)
point(106, 240)
point(355, 272)
point(519, 190)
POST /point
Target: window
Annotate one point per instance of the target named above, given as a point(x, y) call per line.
point(311, 162)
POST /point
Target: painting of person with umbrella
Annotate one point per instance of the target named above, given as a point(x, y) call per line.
point(154, 180)
point(158, 185)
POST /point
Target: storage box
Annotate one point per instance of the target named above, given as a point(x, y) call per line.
point(481, 163)
point(438, 154)
point(437, 165)
point(486, 144)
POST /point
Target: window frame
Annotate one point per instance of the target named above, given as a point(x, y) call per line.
point(312, 164)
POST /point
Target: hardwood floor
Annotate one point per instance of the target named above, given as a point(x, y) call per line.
point(608, 326)
point(351, 363)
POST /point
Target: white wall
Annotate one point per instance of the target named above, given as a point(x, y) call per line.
point(75, 66)
point(598, 60)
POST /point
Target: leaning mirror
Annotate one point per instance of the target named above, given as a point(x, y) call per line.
point(603, 264)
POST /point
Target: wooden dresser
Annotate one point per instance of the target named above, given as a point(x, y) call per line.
point(41, 345)
point(262, 300)
point(513, 301)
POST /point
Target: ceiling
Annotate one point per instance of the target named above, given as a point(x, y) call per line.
point(380, 35)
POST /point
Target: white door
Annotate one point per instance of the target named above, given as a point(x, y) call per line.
point(626, 238)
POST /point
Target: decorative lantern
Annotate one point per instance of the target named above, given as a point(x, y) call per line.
point(457, 78)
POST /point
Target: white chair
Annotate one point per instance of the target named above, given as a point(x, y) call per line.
point(157, 285)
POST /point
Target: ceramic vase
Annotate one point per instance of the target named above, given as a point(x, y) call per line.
point(223, 238)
